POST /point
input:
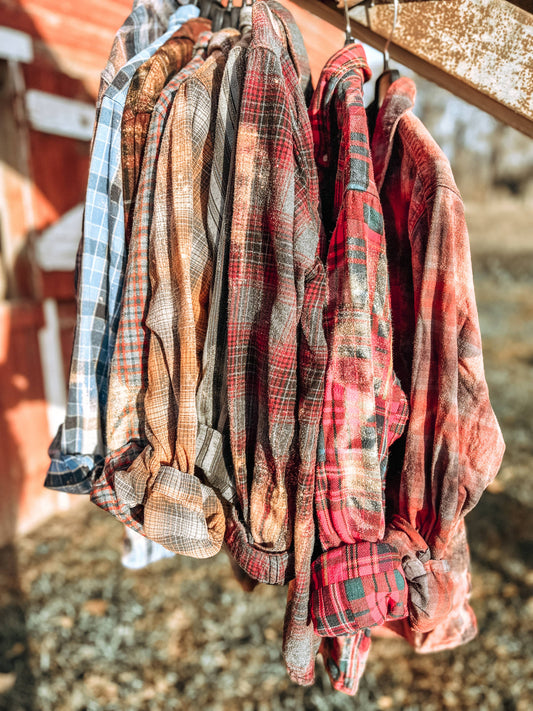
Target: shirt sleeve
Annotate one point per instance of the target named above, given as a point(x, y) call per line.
point(453, 447)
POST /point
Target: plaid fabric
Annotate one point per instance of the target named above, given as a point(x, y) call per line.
point(365, 409)
point(345, 659)
point(276, 350)
point(355, 587)
point(128, 374)
point(147, 21)
point(294, 44)
point(145, 89)
point(180, 512)
point(211, 396)
point(452, 447)
point(80, 444)
point(459, 626)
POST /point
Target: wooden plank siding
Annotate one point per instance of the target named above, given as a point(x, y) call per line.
point(42, 176)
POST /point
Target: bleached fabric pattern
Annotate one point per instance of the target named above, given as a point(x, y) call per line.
point(365, 409)
point(145, 89)
point(452, 447)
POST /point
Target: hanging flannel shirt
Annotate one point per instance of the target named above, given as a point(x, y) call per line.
point(145, 89)
point(128, 379)
point(179, 510)
point(213, 453)
point(79, 446)
point(452, 447)
point(276, 347)
point(208, 445)
point(358, 581)
point(294, 44)
point(146, 98)
point(147, 21)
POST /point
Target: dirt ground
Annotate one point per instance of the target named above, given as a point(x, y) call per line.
point(80, 633)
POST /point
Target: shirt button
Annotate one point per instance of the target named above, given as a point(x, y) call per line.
point(333, 669)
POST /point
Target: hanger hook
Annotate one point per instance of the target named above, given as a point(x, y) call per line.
point(349, 38)
point(386, 56)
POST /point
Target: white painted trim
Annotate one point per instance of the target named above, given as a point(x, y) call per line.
point(59, 116)
point(56, 248)
point(15, 45)
point(52, 366)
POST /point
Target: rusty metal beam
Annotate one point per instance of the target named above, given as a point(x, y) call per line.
point(479, 50)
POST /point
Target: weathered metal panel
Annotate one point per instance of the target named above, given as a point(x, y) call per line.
point(479, 50)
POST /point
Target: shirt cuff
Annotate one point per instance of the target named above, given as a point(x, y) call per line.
point(430, 582)
point(355, 587)
point(69, 472)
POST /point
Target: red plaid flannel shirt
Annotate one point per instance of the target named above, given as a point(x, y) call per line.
point(276, 347)
point(365, 409)
point(453, 447)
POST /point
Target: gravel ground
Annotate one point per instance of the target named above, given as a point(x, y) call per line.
point(80, 633)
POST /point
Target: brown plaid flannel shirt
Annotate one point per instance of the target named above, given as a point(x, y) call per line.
point(179, 511)
point(147, 21)
point(276, 346)
point(128, 378)
point(143, 94)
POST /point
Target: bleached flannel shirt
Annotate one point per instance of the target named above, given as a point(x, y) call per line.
point(128, 378)
point(147, 21)
point(452, 448)
point(276, 346)
point(180, 511)
point(79, 445)
point(365, 409)
point(145, 89)
point(213, 450)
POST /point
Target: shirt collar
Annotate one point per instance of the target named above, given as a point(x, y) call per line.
point(223, 40)
point(294, 43)
point(264, 30)
point(399, 99)
point(350, 62)
point(187, 12)
point(202, 42)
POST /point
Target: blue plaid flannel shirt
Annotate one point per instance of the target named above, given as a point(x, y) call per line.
point(147, 21)
point(79, 446)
